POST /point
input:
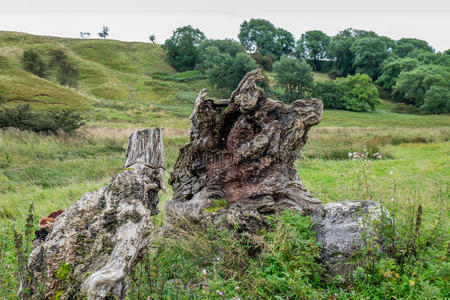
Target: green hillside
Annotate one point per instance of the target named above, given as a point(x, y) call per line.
point(108, 70)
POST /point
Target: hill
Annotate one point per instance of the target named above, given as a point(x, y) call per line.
point(108, 70)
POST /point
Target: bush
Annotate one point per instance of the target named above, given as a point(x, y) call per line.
point(265, 61)
point(411, 86)
point(23, 118)
point(335, 73)
point(327, 91)
point(403, 108)
point(437, 101)
point(66, 73)
point(32, 62)
point(355, 93)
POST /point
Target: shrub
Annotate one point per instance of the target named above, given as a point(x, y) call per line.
point(23, 118)
point(32, 62)
point(331, 97)
point(355, 93)
point(335, 73)
point(66, 74)
point(437, 101)
point(411, 86)
point(403, 108)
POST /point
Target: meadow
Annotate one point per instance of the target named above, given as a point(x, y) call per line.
point(120, 91)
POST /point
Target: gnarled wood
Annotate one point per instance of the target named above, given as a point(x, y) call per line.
point(92, 245)
point(242, 150)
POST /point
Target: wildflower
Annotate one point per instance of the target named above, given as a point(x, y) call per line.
point(397, 275)
point(236, 289)
point(391, 172)
point(392, 199)
point(219, 293)
point(217, 258)
point(204, 272)
point(411, 283)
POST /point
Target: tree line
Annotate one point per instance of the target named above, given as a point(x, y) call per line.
point(408, 71)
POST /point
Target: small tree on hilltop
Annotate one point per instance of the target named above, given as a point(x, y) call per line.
point(104, 33)
point(295, 76)
point(84, 35)
point(152, 38)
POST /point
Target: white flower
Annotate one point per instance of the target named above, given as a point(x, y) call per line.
point(392, 199)
point(391, 172)
point(204, 272)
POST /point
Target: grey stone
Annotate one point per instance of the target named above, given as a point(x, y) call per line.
point(338, 227)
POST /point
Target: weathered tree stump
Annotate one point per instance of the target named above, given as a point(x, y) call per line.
point(239, 162)
point(93, 245)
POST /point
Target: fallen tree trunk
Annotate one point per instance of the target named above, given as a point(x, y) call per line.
point(92, 246)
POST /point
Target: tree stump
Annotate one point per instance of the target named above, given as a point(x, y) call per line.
point(93, 244)
point(239, 162)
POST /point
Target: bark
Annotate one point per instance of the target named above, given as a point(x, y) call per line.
point(93, 245)
point(239, 162)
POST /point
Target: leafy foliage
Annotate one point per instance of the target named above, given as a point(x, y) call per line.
point(23, 118)
point(407, 45)
point(261, 36)
point(295, 76)
point(340, 51)
point(32, 62)
point(265, 61)
point(225, 71)
point(313, 45)
point(181, 47)
point(67, 73)
point(354, 92)
point(391, 69)
point(411, 86)
point(226, 46)
point(437, 101)
point(369, 54)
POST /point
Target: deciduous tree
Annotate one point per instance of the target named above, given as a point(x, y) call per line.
point(181, 47)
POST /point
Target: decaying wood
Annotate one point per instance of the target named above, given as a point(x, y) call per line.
point(93, 245)
point(239, 161)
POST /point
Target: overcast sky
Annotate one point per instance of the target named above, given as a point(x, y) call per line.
point(135, 20)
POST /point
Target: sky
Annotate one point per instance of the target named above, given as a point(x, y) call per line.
point(136, 20)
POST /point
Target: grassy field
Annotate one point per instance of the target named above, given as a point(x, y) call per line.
point(120, 92)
